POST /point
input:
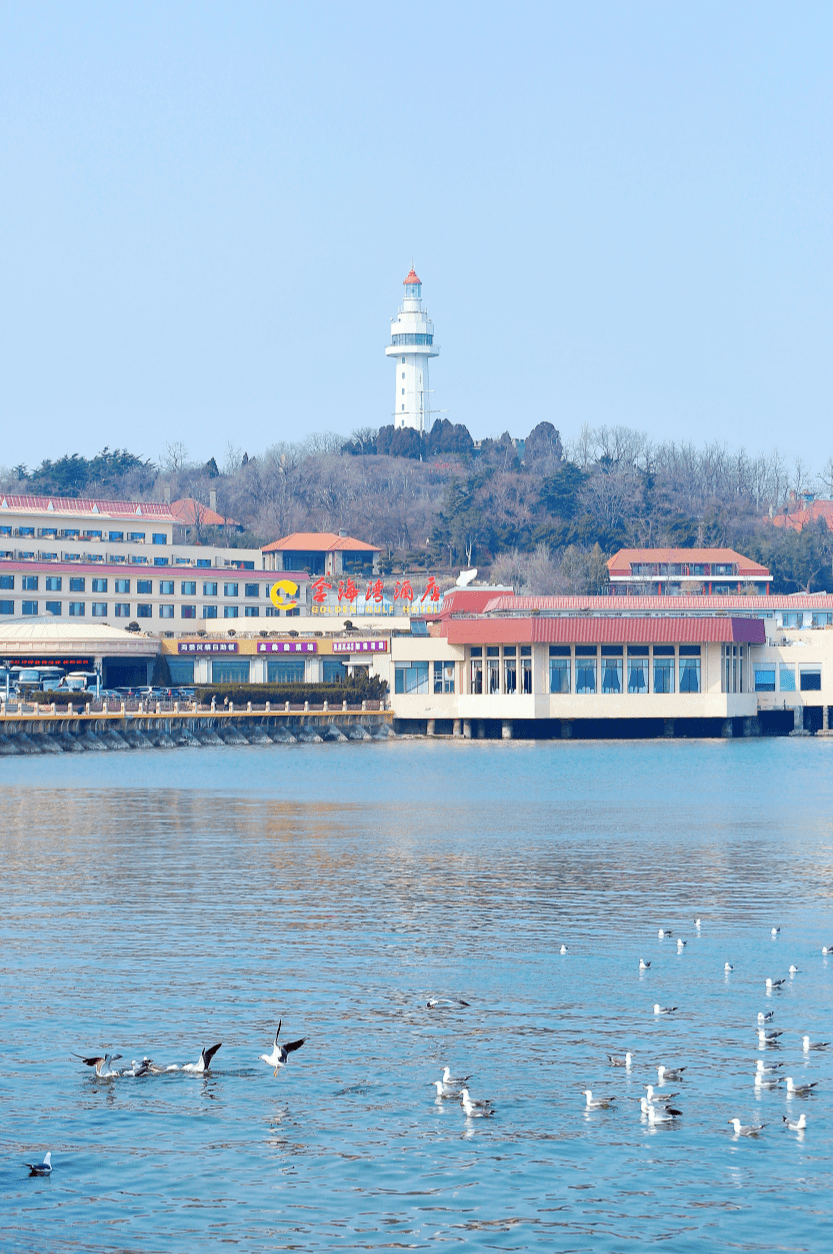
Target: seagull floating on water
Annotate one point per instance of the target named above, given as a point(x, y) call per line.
point(643, 965)
point(669, 1075)
point(600, 1103)
point(827, 949)
point(749, 1129)
point(663, 1010)
point(793, 970)
point(681, 944)
point(775, 931)
point(805, 1042)
point(664, 932)
point(102, 1065)
point(727, 966)
point(563, 949)
point(475, 1110)
point(448, 1078)
point(762, 1069)
point(764, 1082)
point(800, 1090)
point(445, 1003)
point(774, 983)
point(697, 924)
point(621, 1060)
point(667, 1114)
point(41, 1169)
point(766, 1037)
point(662, 1098)
point(799, 1125)
point(280, 1053)
point(765, 1016)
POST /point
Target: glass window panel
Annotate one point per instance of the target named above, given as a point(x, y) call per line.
point(288, 672)
point(526, 675)
point(493, 674)
point(585, 674)
point(477, 675)
point(689, 674)
point(559, 674)
point(764, 678)
point(182, 670)
point(510, 673)
point(663, 674)
point(411, 677)
point(637, 674)
point(612, 674)
point(230, 670)
point(786, 677)
point(810, 678)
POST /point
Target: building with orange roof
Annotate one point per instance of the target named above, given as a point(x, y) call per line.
point(322, 553)
point(812, 510)
point(676, 572)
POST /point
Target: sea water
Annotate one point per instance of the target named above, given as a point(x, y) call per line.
point(152, 903)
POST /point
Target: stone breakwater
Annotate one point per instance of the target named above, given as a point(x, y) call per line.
point(93, 733)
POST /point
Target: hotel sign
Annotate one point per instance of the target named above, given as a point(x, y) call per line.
point(360, 646)
point(207, 646)
point(287, 646)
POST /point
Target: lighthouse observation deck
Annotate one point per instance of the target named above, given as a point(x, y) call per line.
point(411, 345)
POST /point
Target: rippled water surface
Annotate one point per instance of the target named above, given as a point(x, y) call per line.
point(154, 902)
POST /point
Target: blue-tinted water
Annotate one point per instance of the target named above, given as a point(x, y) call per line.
point(152, 903)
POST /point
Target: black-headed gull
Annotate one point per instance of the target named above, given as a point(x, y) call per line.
point(749, 1129)
point(280, 1053)
point(41, 1169)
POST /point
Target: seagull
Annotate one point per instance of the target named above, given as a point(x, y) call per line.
point(805, 1041)
point(799, 1125)
point(443, 1090)
point(445, 1003)
point(775, 931)
point(621, 1060)
point(774, 983)
point(102, 1065)
point(664, 932)
point(727, 966)
point(138, 1068)
point(750, 1129)
point(280, 1054)
point(766, 1038)
point(681, 944)
point(762, 1069)
point(793, 970)
point(697, 924)
point(204, 1060)
point(663, 1010)
point(601, 1103)
point(643, 965)
point(827, 949)
point(765, 1017)
point(662, 1098)
point(563, 949)
point(475, 1110)
point(45, 1168)
point(448, 1078)
point(670, 1074)
point(654, 1116)
point(761, 1081)
point(800, 1090)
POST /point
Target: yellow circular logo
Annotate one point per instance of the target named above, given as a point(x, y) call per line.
point(276, 594)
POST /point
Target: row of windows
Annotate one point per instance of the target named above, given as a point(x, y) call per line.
point(121, 609)
point(237, 670)
point(809, 677)
point(144, 587)
point(76, 533)
point(415, 677)
point(610, 677)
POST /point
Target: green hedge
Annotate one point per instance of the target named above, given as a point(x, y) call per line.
point(352, 692)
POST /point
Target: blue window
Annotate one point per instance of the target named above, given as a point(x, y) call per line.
point(117, 535)
point(209, 611)
point(159, 537)
point(144, 611)
point(209, 589)
point(30, 583)
point(230, 611)
point(189, 587)
point(288, 672)
point(76, 609)
point(53, 607)
point(7, 581)
point(230, 670)
point(764, 678)
point(6, 607)
point(30, 607)
point(53, 583)
point(160, 561)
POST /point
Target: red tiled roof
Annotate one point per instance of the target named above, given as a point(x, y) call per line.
point(809, 514)
point(187, 510)
point(413, 277)
point(603, 630)
point(654, 604)
point(319, 542)
point(85, 505)
point(462, 601)
point(621, 562)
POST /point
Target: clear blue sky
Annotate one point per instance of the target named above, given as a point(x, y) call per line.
point(621, 213)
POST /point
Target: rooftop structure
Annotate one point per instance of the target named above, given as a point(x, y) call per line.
point(411, 345)
point(322, 553)
point(810, 511)
point(676, 571)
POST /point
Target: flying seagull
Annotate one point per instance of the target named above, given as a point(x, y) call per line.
point(280, 1053)
point(204, 1060)
point(102, 1064)
point(41, 1169)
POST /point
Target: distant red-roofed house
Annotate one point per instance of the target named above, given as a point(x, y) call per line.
point(322, 553)
point(674, 572)
point(195, 516)
point(811, 512)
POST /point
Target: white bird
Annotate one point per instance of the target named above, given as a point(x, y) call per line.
point(750, 1129)
point(669, 1074)
point(774, 983)
point(643, 965)
point(459, 1080)
point(697, 924)
point(798, 1125)
point(204, 1061)
point(621, 1060)
point(805, 1042)
point(766, 1017)
point(137, 1068)
point(662, 1098)
point(41, 1169)
point(664, 932)
point(767, 1038)
point(443, 1090)
point(280, 1053)
point(669, 1115)
point(827, 949)
point(762, 1082)
point(563, 949)
point(793, 970)
point(102, 1065)
point(663, 1010)
point(775, 931)
point(727, 966)
point(445, 1003)
point(800, 1090)
point(762, 1069)
point(681, 944)
point(475, 1110)
point(601, 1103)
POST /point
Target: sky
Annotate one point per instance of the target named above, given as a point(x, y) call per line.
point(621, 215)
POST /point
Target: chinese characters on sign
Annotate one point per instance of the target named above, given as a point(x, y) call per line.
point(207, 646)
point(287, 646)
point(360, 646)
point(331, 597)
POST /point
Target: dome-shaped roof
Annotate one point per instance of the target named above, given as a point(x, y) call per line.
point(413, 277)
point(46, 629)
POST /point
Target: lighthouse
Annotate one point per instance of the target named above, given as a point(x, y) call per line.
point(411, 344)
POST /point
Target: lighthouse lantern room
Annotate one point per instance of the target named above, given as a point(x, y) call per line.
point(411, 344)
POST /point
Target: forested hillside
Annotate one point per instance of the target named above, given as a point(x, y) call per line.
point(542, 514)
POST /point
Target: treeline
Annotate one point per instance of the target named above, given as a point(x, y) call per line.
point(540, 513)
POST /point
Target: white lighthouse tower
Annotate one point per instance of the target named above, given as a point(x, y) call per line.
point(411, 344)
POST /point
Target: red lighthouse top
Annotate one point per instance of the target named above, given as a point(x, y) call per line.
point(413, 277)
